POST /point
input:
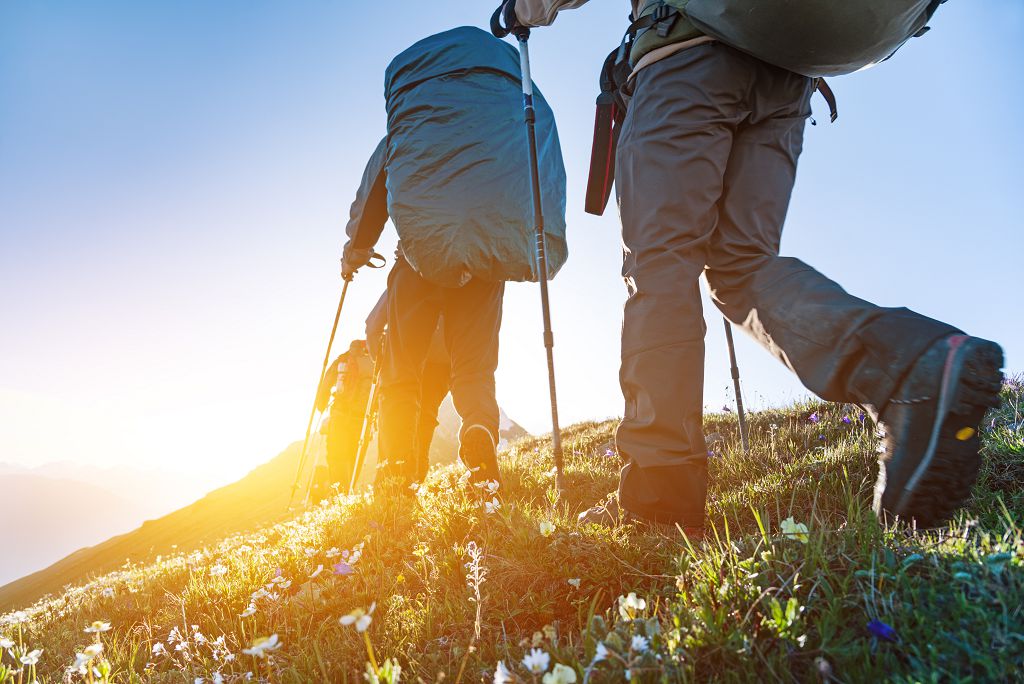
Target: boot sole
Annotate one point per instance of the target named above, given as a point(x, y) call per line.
point(943, 479)
point(478, 454)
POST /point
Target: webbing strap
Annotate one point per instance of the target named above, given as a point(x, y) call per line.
point(664, 15)
point(830, 98)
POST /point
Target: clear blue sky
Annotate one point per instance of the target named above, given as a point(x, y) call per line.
point(175, 178)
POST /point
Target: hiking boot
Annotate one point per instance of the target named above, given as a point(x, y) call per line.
point(479, 453)
point(930, 426)
point(609, 514)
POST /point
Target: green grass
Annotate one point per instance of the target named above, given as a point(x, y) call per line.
point(751, 603)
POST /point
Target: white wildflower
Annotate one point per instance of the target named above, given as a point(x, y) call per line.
point(640, 644)
point(6, 643)
point(630, 605)
point(794, 530)
point(492, 486)
point(333, 552)
point(536, 661)
point(218, 570)
point(492, 506)
point(502, 675)
point(81, 663)
point(18, 617)
point(574, 582)
point(93, 650)
point(108, 592)
point(32, 657)
point(248, 612)
point(98, 627)
point(262, 646)
point(159, 648)
point(561, 674)
point(600, 653)
point(359, 617)
point(547, 528)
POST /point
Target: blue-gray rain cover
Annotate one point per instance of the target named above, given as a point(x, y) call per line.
point(458, 170)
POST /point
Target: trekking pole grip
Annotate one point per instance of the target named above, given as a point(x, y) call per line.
point(498, 30)
point(504, 21)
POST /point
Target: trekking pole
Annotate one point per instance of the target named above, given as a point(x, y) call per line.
point(314, 447)
point(522, 35)
point(369, 416)
point(736, 385)
point(323, 371)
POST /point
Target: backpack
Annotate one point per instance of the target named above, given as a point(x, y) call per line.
point(458, 170)
point(815, 38)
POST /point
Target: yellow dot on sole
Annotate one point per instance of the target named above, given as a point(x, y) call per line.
point(964, 434)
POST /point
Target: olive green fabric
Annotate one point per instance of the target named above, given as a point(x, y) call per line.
point(682, 29)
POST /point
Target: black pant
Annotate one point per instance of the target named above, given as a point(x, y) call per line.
point(472, 321)
point(433, 389)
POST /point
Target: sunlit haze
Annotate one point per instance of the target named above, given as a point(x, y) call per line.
point(175, 179)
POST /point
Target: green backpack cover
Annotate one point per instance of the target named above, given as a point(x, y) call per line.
point(815, 38)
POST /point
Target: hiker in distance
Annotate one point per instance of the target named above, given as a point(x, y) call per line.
point(718, 93)
point(453, 176)
point(343, 394)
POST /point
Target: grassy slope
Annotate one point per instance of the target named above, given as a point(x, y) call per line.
point(750, 604)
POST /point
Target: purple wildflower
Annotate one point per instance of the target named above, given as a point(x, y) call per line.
point(814, 417)
point(846, 420)
point(609, 453)
point(882, 631)
point(821, 438)
point(343, 568)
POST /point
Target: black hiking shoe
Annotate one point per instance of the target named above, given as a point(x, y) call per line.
point(609, 514)
point(931, 427)
point(479, 453)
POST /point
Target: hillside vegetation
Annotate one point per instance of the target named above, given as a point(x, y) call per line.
point(797, 581)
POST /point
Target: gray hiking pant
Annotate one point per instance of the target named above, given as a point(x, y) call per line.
point(706, 164)
point(472, 322)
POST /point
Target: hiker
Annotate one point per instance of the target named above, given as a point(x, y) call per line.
point(453, 176)
point(435, 381)
point(706, 162)
point(344, 392)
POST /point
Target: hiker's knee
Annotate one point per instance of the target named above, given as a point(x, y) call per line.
point(732, 270)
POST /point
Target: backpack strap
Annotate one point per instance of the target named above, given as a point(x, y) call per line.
point(830, 98)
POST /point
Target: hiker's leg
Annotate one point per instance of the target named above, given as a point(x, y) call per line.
point(342, 447)
point(671, 161)
point(414, 305)
point(472, 322)
point(842, 348)
point(433, 389)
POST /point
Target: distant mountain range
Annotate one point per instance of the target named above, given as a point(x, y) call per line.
point(61, 515)
point(62, 506)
